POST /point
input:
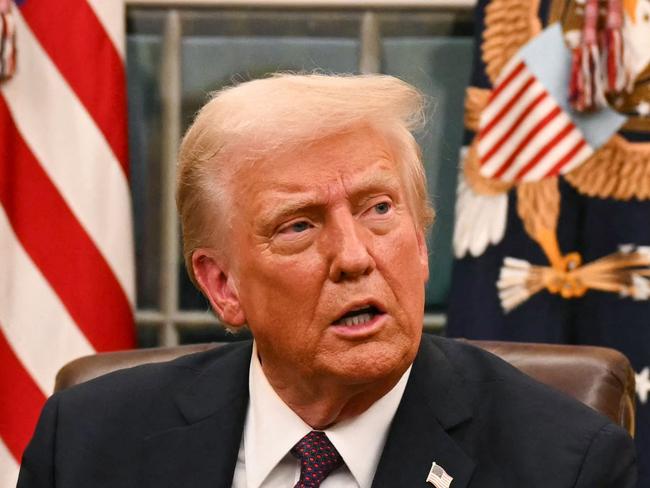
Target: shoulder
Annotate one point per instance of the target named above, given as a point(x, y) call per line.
point(133, 388)
point(95, 430)
point(487, 378)
point(520, 424)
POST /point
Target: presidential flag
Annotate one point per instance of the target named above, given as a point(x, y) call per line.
point(552, 241)
point(66, 257)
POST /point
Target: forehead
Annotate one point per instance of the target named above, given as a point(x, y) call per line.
point(361, 157)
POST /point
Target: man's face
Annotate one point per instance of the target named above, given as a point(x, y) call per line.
point(328, 263)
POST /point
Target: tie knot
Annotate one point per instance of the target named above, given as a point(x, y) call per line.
point(318, 458)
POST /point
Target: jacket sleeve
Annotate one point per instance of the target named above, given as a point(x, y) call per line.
point(37, 467)
point(610, 460)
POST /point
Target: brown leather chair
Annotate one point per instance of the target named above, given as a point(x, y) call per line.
point(599, 377)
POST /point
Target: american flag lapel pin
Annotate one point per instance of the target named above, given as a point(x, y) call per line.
point(438, 477)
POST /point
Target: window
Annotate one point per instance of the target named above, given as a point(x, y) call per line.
point(176, 55)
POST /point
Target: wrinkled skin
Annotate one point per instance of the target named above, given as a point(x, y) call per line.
point(316, 233)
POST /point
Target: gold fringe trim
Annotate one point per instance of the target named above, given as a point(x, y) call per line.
point(509, 24)
point(624, 272)
point(479, 183)
point(620, 170)
point(476, 100)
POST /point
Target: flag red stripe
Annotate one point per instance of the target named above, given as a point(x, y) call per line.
point(569, 155)
point(566, 130)
point(532, 133)
point(75, 40)
point(59, 245)
point(506, 108)
point(21, 402)
point(501, 86)
point(513, 127)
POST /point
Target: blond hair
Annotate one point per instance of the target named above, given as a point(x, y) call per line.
point(245, 123)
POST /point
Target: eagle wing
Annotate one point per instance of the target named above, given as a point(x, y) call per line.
point(538, 206)
point(482, 203)
point(619, 170)
point(509, 25)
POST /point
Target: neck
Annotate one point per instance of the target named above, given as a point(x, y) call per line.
point(321, 403)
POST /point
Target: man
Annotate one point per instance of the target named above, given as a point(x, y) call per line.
point(304, 213)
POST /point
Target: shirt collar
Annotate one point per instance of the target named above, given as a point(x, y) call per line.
point(268, 437)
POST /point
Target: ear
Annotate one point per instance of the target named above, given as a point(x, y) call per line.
point(218, 285)
point(423, 253)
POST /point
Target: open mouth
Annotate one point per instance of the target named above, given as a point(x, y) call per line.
point(359, 316)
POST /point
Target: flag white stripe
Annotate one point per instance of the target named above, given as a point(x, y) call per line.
point(107, 12)
point(439, 477)
point(495, 106)
point(75, 155)
point(508, 68)
point(444, 482)
point(554, 156)
point(32, 317)
point(580, 157)
point(505, 124)
point(8, 467)
point(505, 151)
point(540, 139)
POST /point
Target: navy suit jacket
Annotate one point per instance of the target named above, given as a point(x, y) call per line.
point(179, 424)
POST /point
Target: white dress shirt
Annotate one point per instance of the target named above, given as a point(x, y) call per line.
point(272, 429)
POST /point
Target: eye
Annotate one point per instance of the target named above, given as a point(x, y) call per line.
point(296, 227)
point(382, 207)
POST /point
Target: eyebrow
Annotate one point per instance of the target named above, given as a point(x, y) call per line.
point(379, 181)
point(376, 182)
point(287, 208)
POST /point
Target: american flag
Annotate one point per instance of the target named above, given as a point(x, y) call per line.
point(524, 134)
point(528, 131)
point(438, 477)
point(66, 258)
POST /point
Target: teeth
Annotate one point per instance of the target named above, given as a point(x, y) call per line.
point(357, 319)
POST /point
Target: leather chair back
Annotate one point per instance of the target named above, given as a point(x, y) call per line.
point(601, 378)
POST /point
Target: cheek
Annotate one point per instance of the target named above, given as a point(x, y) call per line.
point(403, 269)
point(281, 289)
point(403, 256)
point(292, 276)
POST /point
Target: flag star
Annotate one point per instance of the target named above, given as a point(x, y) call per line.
point(643, 109)
point(643, 384)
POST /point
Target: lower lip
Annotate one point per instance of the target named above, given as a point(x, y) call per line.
point(361, 331)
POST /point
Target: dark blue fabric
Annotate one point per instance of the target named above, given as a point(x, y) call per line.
point(179, 424)
point(592, 226)
point(595, 228)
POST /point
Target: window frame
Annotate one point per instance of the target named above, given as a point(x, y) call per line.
point(168, 318)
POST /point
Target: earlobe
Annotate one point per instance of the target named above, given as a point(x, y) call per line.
point(218, 286)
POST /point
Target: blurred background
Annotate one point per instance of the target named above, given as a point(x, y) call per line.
point(176, 56)
point(95, 96)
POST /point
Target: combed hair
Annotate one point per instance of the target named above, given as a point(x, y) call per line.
point(244, 123)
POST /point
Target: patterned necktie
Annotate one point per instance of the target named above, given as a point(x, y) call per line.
point(318, 458)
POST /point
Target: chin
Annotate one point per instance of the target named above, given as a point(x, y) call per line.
point(369, 363)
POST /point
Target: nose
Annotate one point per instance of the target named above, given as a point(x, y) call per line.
point(350, 256)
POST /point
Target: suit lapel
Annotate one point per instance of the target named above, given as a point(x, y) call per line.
point(202, 451)
point(433, 406)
